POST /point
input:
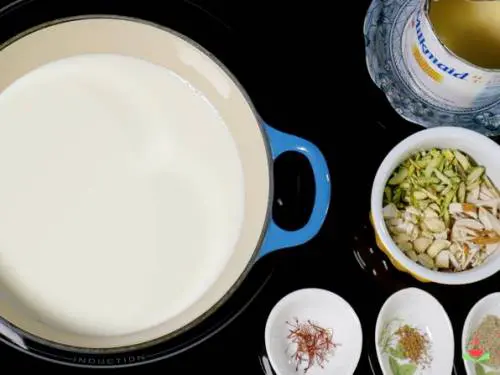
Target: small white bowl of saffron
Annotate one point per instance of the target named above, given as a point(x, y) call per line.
point(313, 332)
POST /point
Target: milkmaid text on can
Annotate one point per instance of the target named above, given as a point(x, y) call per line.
point(439, 75)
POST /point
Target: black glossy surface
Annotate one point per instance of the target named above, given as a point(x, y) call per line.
point(304, 67)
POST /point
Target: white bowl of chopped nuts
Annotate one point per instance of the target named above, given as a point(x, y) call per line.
point(435, 206)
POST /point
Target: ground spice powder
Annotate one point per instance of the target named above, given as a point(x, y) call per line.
point(486, 339)
point(413, 344)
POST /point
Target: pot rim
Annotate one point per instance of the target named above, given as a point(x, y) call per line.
point(129, 348)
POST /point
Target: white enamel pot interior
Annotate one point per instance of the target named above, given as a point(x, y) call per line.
point(129, 214)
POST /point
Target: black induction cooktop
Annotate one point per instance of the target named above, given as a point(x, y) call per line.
point(303, 65)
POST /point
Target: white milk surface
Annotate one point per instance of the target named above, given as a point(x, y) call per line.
point(121, 193)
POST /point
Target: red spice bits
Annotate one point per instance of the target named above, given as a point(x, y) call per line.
point(314, 344)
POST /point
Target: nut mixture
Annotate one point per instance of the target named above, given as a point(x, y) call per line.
point(442, 210)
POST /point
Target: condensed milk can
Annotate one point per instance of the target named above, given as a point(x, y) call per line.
point(438, 62)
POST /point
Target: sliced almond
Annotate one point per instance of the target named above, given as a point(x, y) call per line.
point(486, 240)
point(493, 190)
point(489, 221)
point(455, 262)
point(455, 208)
point(473, 195)
point(469, 207)
point(469, 223)
point(490, 248)
point(485, 193)
point(455, 248)
point(484, 218)
point(474, 174)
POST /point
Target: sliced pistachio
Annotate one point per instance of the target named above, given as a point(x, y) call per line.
point(448, 154)
point(446, 190)
point(405, 185)
point(434, 206)
point(442, 177)
point(447, 200)
point(461, 192)
point(446, 217)
point(462, 159)
point(431, 196)
point(429, 212)
point(399, 176)
point(440, 188)
point(396, 196)
point(474, 174)
point(433, 180)
point(449, 173)
point(411, 169)
point(423, 204)
point(419, 195)
point(388, 194)
point(433, 165)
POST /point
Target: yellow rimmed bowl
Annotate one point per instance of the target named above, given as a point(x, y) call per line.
point(480, 148)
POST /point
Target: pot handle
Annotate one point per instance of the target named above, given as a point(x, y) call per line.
point(277, 238)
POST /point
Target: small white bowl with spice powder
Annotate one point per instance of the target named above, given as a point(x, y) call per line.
point(481, 337)
point(435, 206)
point(414, 335)
point(313, 332)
